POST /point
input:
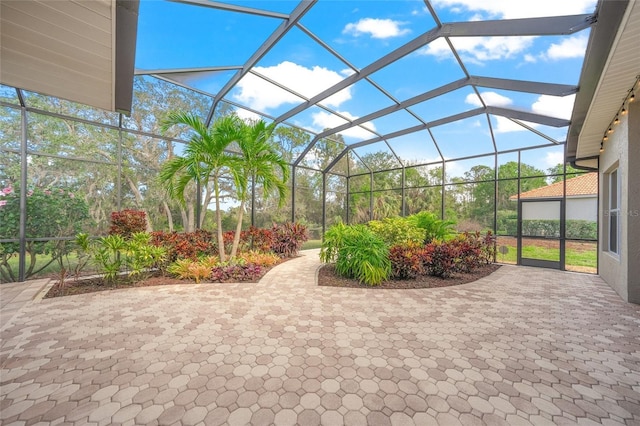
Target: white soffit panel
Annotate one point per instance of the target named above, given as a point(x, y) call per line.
point(623, 65)
point(60, 48)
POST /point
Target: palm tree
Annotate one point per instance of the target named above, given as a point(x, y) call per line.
point(262, 164)
point(204, 159)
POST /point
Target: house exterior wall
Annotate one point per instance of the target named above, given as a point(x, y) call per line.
point(578, 208)
point(541, 210)
point(622, 150)
point(583, 208)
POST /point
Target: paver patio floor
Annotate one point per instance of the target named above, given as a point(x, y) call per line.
point(522, 346)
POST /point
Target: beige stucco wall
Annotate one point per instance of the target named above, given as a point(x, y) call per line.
point(622, 149)
point(633, 200)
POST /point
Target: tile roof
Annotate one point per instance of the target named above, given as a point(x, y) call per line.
point(582, 185)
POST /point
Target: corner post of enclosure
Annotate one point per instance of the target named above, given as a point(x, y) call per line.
point(198, 203)
point(563, 219)
point(519, 217)
point(347, 203)
point(119, 154)
point(253, 200)
point(293, 193)
point(403, 211)
point(495, 204)
point(442, 189)
point(371, 195)
point(324, 202)
point(23, 195)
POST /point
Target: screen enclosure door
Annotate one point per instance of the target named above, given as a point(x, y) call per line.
point(541, 233)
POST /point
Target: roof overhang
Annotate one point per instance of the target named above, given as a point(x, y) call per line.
point(612, 62)
point(79, 51)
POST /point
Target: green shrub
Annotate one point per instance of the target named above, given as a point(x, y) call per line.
point(397, 230)
point(541, 228)
point(332, 241)
point(358, 253)
point(433, 228)
point(53, 212)
point(581, 229)
point(507, 222)
point(113, 255)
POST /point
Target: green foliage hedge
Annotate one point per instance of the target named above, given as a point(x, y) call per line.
point(397, 230)
point(396, 247)
point(115, 255)
point(52, 212)
point(357, 252)
point(578, 229)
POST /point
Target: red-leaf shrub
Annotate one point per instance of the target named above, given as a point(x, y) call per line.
point(488, 251)
point(236, 273)
point(407, 260)
point(127, 222)
point(466, 252)
point(188, 245)
point(259, 239)
point(288, 239)
point(440, 259)
point(469, 249)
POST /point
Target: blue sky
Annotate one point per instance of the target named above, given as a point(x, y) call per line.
point(174, 35)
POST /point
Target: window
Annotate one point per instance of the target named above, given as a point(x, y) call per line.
point(613, 212)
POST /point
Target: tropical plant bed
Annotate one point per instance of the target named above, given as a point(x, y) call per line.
point(327, 276)
point(96, 284)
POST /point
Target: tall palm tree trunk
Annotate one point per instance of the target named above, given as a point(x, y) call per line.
point(236, 237)
point(216, 190)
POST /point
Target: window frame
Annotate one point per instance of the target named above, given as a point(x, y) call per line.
point(613, 212)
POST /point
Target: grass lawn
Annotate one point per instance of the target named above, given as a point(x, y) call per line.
point(572, 257)
point(42, 259)
point(312, 244)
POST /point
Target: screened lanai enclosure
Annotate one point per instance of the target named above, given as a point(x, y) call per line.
point(382, 109)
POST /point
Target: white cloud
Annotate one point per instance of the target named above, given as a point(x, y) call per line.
point(572, 47)
point(479, 49)
point(376, 28)
point(247, 115)
point(504, 125)
point(490, 98)
point(324, 120)
point(438, 48)
point(554, 106)
point(554, 158)
point(261, 95)
point(347, 72)
point(510, 9)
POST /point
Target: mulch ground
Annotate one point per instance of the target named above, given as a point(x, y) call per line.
point(327, 277)
point(92, 285)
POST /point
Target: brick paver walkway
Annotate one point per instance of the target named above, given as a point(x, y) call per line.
point(523, 346)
